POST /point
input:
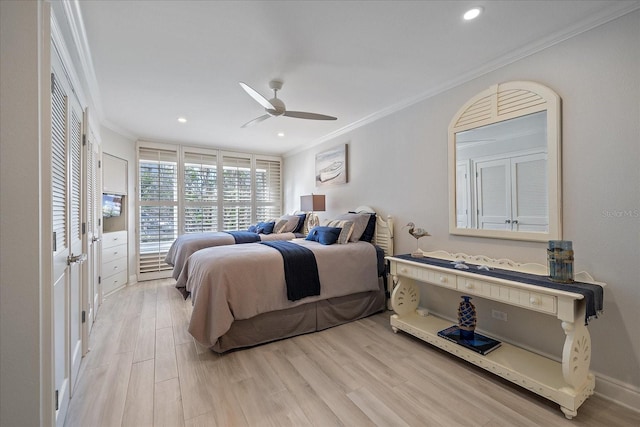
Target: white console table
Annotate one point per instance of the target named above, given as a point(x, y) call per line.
point(568, 383)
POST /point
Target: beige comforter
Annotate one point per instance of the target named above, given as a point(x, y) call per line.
point(184, 246)
point(241, 281)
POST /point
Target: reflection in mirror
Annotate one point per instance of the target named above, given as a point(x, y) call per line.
point(501, 175)
point(505, 164)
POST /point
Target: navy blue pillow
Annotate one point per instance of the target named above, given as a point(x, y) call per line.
point(300, 226)
point(324, 235)
point(265, 227)
point(253, 228)
point(370, 230)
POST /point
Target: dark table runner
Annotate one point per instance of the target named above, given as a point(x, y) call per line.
point(593, 294)
point(300, 269)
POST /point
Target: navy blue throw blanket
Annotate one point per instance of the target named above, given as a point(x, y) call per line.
point(244, 236)
point(300, 269)
point(593, 294)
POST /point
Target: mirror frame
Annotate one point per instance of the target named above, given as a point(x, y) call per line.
point(496, 104)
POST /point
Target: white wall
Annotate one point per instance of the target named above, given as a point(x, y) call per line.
point(26, 348)
point(398, 165)
point(125, 148)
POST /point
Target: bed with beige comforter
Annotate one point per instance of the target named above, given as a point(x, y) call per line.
point(239, 292)
point(187, 244)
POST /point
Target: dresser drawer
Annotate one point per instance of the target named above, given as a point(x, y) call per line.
point(427, 275)
point(113, 253)
point(114, 282)
point(114, 239)
point(113, 267)
point(540, 302)
point(508, 295)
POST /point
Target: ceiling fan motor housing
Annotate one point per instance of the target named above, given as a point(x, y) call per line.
point(279, 107)
point(275, 84)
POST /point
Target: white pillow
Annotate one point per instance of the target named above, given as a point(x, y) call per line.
point(345, 233)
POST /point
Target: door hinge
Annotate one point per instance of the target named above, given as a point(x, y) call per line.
point(55, 243)
point(99, 279)
point(99, 164)
point(84, 139)
point(84, 316)
point(57, 402)
point(53, 82)
point(99, 222)
point(84, 228)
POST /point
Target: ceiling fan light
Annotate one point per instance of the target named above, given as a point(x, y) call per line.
point(472, 13)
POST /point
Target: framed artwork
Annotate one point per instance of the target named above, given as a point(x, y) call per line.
point(331, 166)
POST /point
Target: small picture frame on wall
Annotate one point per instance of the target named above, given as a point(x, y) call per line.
point(331, 166)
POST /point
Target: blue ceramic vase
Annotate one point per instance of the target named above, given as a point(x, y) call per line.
point(466, 318)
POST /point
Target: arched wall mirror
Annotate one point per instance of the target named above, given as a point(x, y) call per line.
point(505, 165)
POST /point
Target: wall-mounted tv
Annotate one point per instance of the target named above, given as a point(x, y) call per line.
point(111, 205)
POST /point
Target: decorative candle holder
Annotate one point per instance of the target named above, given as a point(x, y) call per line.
point(560, 257)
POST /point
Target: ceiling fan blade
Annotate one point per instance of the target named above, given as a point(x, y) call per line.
point(255, 95)
point(312, 116)
point(256, 120)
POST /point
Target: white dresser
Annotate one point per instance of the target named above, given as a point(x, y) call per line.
point(114, 261)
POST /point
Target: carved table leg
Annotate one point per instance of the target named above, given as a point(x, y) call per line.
point(576, 358)
point(405, 296)
point(568, 413)
point(576, 354)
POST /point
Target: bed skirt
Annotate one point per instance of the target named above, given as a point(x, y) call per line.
point(301, 319)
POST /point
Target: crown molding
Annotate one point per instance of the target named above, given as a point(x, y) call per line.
point(611, 13)
point(76, 26)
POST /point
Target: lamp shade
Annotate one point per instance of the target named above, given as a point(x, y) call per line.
point(312, 203)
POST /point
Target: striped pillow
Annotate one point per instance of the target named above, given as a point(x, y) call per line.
point(345, 233)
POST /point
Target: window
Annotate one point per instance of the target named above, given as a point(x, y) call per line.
point(158, 209)
point(236, 192)
point(200, 192)
point(268, 189)
point(191, 190)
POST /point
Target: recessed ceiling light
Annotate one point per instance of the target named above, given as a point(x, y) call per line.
point(280, 134)
point(472, 13)
point(182, 119)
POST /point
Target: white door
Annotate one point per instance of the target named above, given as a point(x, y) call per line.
point(493, 193)
point(463, 195)
point(67, 251)
point(92, 238)
point(529, 185)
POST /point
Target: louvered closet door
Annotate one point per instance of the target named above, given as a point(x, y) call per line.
point(493, 183)
point(529, 189)
point(91, 242)
point(67, 252)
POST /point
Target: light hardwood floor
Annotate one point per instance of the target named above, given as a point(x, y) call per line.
point(144, 369)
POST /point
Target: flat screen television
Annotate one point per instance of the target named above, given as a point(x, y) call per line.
point(111, 205)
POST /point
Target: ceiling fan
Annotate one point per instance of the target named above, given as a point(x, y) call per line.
point(275, 107)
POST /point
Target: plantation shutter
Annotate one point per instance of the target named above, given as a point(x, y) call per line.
point(236, 192)
point(200, 192)
point(59, 108)
point(268, 189)
point(158, 209)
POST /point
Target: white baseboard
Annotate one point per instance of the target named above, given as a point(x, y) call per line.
point(618, 392)
point(133, 279)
